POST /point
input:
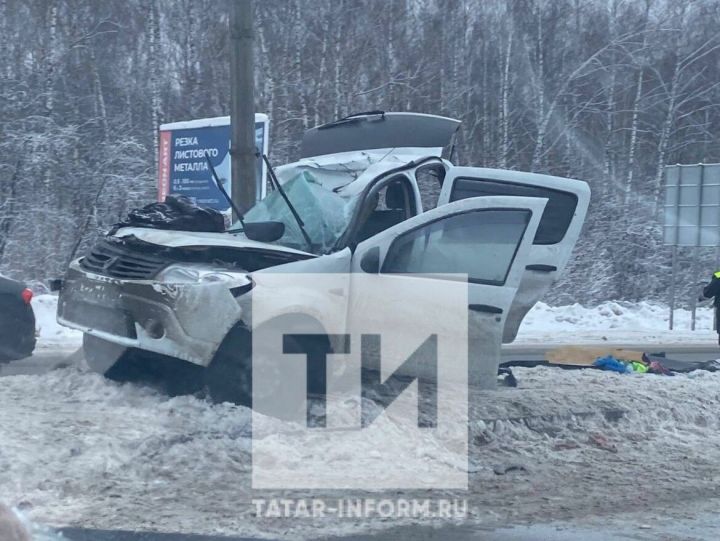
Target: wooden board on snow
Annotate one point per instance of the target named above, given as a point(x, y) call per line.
point(586, 355)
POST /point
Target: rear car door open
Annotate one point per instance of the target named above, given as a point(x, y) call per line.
point(557, 233)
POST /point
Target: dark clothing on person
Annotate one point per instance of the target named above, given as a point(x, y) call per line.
point(713, 290)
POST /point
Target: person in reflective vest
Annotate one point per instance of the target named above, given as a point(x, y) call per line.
point(713, 290)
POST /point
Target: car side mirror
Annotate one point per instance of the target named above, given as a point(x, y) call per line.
point(264, 231)
point(370, 261)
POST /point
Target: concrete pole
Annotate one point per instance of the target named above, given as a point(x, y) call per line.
point(242, 104)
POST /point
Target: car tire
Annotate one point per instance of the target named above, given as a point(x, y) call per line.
point(229, 376)
point(168, 375)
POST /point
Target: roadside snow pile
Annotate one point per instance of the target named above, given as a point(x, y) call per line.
point(615, 322)
point(80, 450)
point(613, 315)
point(50, 332)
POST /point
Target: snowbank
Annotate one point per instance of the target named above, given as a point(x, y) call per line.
point(617, 323)
point(80, 450)
point(612, 315)
point(50, 332)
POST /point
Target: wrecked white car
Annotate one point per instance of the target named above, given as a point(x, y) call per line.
point(173, 302)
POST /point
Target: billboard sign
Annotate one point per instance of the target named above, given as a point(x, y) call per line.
point(183, 168)
point(692, 205)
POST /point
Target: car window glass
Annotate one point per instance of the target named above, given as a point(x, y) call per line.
point(384, 207)
point(481, 244)
point(558, 212)
point(325, 214)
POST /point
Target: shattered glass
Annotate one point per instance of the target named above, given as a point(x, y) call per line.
point(325, 213)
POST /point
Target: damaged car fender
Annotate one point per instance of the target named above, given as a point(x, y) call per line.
point(315, 288)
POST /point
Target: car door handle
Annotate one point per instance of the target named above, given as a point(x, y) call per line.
point(541, 268)
point(486, 308)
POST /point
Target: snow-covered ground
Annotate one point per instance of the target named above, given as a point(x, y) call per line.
point(50, 333)
point(591, 443)
point(615, 323)
point(76, 449)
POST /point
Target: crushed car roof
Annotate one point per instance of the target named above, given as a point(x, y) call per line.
point(350, 171)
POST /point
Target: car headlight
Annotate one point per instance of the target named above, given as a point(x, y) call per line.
point(219, 277)
point(176, 274)
point(199, 274)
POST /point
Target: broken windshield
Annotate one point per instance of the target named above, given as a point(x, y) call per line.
point(325, 213)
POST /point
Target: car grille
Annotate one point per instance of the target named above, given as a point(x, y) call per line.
point(115, 259)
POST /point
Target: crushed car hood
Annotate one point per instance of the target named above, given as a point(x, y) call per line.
point(181, 239)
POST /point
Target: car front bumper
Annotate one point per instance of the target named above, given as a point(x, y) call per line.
point(186, 321)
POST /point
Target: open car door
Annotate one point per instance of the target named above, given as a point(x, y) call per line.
point(487, 238)
point(559, 228)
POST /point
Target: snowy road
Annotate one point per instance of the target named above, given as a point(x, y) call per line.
point(44, 359)
point(633, 455)
point(702, 526)
point(79, 450)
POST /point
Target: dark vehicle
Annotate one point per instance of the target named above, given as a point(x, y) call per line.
point(17, 320)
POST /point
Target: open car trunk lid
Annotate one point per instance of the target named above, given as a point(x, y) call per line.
point(424, 134)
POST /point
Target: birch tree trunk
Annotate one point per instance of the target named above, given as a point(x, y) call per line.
point(268, 80)
point(608, 154)
point(633, 139)
point(506, 104)
point(99, 96)
point(50, 59)
point(153, 62)
point(665, 136)
point(634, 125)
point(337, 78)
point(297, 68)
point(391, 54)
point(6, 68)
point(485, 124)
point(542, 121)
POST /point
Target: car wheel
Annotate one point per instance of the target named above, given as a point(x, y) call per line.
point(169, 375)
point(228, 378)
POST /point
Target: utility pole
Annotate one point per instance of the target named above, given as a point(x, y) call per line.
point(242, 105)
